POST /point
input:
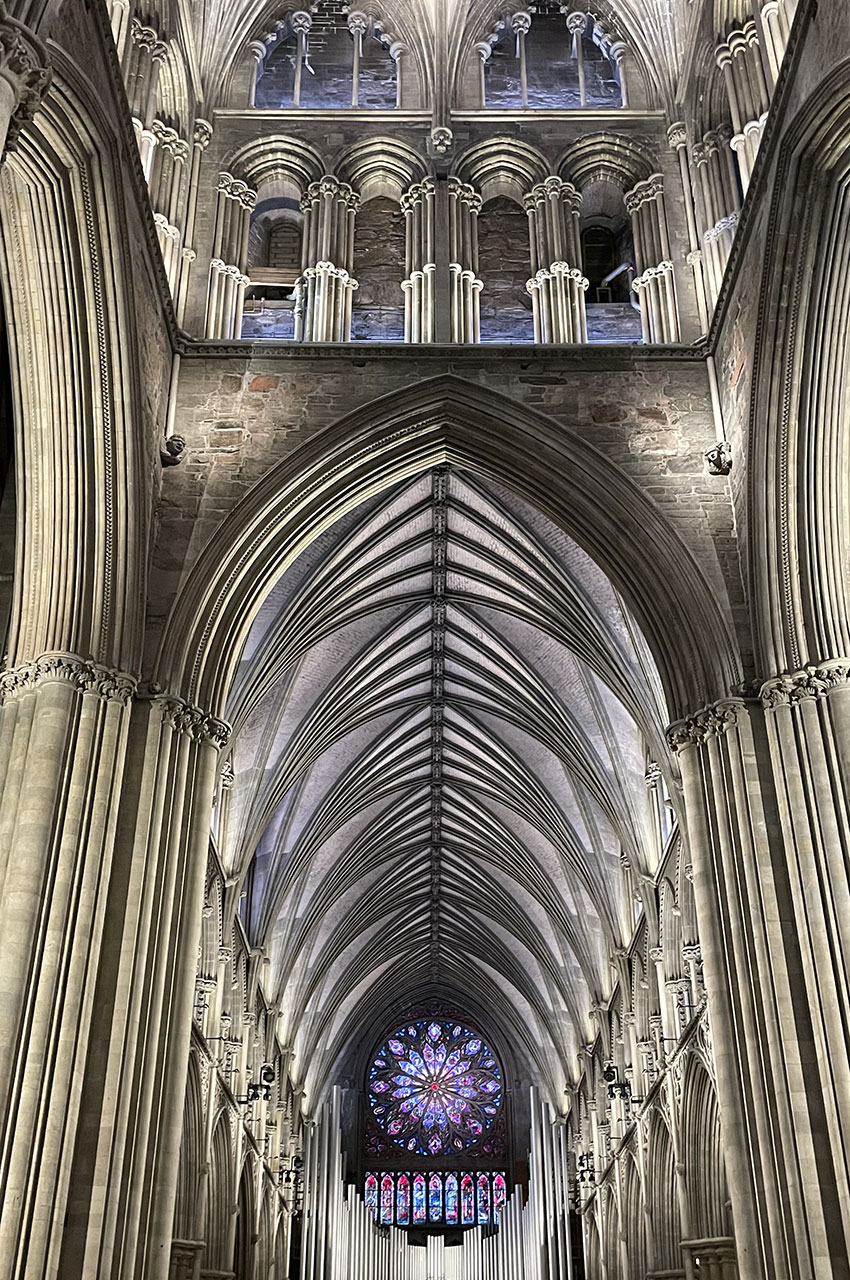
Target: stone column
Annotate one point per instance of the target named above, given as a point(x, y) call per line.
point(326, 286)
point(258, 51)
point(776, 29)
point(678, 139)
point(200, 141)
point(397, 52)
point(124, 1177)
point(24, 78)
point(301, 24)
point(577, 25)
point(719, 196)
point(739, 58)
point(768, 931)
point(146, 55)
point(557, 285)
point(465, 286)
point(63, 736)
point(521, 23)
point(167, 188)
point(618, 52)
point(807, 714)
point(484, 49)
point(119, 21)
point(227, 282)
point(417, 205)
point(358, 24)
point(655, 282)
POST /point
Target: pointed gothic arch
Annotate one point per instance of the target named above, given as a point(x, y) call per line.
point(563, 476)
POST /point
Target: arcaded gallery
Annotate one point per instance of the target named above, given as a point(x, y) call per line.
point(425, 603)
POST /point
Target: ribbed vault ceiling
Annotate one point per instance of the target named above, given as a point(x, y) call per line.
point(442, 719)
point(438, 34)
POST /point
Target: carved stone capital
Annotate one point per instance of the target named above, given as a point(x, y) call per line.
point(677, 135)
point(709, 722)
point(66, 668)
point(192, 721)
point(810, 682)
point(202, 134)
point(25, 69)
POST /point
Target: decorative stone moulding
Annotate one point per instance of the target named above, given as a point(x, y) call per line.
point(24, 77)
point(441, 139)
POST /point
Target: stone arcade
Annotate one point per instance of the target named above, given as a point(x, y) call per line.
point(425, 711)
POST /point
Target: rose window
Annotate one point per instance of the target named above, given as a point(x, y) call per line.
point(435, 1087)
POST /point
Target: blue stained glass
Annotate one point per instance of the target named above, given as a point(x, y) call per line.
point(432, 1095)
point(483, 1198)
point(419, 1207)
point(386, 1198)
point(451, 1198)
point(435, 1198)
point(371, 1196)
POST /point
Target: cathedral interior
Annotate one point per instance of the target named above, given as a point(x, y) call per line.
point(425, 697)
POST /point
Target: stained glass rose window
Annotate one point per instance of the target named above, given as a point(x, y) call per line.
point(434, 1087)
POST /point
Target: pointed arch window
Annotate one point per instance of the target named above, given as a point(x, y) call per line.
point(386, 1198)
point(419, 1199)
point(370, 1196)
point(451, 1198)
point(467, 1201)
point(403, 1200)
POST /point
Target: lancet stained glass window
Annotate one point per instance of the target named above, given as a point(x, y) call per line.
point(427, 1199)
point(434, 1087)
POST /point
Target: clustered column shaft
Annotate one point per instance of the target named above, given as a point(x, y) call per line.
point(168, 193)
point(655, 284)
point(323, 292)
point(420, 265)
point(739, 58)
point(465, 286)
point(557, 285)
point(201, 137)
point(678, 138)
point(145, 56)
point(718, 193)
point(228, 282)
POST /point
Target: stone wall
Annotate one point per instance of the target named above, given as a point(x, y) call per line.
point(242, 414)
point(504, 265)
point(379, 240)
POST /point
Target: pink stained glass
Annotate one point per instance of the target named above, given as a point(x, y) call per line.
point(386, 1199)
point(434, 1087)
point(500, 1195)
point(420, 1207)
point(467, 1201)
point(402, 1216)
point(370, 1197)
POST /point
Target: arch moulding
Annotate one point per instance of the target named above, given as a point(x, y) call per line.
point(447, 420)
